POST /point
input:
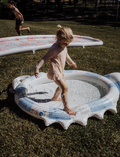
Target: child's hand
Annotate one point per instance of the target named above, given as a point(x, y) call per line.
point(36, 73)
point(74, 66)
point(22, 22)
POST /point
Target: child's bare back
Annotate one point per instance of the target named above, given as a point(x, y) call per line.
point(17, 13)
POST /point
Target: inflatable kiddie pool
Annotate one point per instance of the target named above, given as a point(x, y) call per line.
point(90, 95)
point(20, 44)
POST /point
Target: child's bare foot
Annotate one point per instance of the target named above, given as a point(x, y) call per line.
point(58, 99)
point(69, 111)
point(28, 29)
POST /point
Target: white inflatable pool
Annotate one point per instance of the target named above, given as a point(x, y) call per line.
point(89, 95)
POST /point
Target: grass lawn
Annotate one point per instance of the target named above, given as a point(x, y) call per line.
point(22, 135)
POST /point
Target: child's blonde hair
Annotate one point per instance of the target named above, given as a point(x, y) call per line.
point(64, 33)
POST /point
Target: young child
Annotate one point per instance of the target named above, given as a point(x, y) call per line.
point(57, 55)
point(18, 17)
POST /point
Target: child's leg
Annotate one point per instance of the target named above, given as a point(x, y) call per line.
point(64, 95)
point(19, 28)
point(23, 29)
point(56, 95)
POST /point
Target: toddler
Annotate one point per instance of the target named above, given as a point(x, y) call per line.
point(57, 55)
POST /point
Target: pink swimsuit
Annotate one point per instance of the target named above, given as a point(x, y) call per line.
point(57, 57)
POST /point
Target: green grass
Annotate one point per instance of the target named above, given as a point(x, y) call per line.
point(22, 135)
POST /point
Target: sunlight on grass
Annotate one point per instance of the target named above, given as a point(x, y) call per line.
point(23, 135)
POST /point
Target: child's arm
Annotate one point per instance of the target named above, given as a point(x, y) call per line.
point(38, 66)
point(70, 61)
point(47, 57)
